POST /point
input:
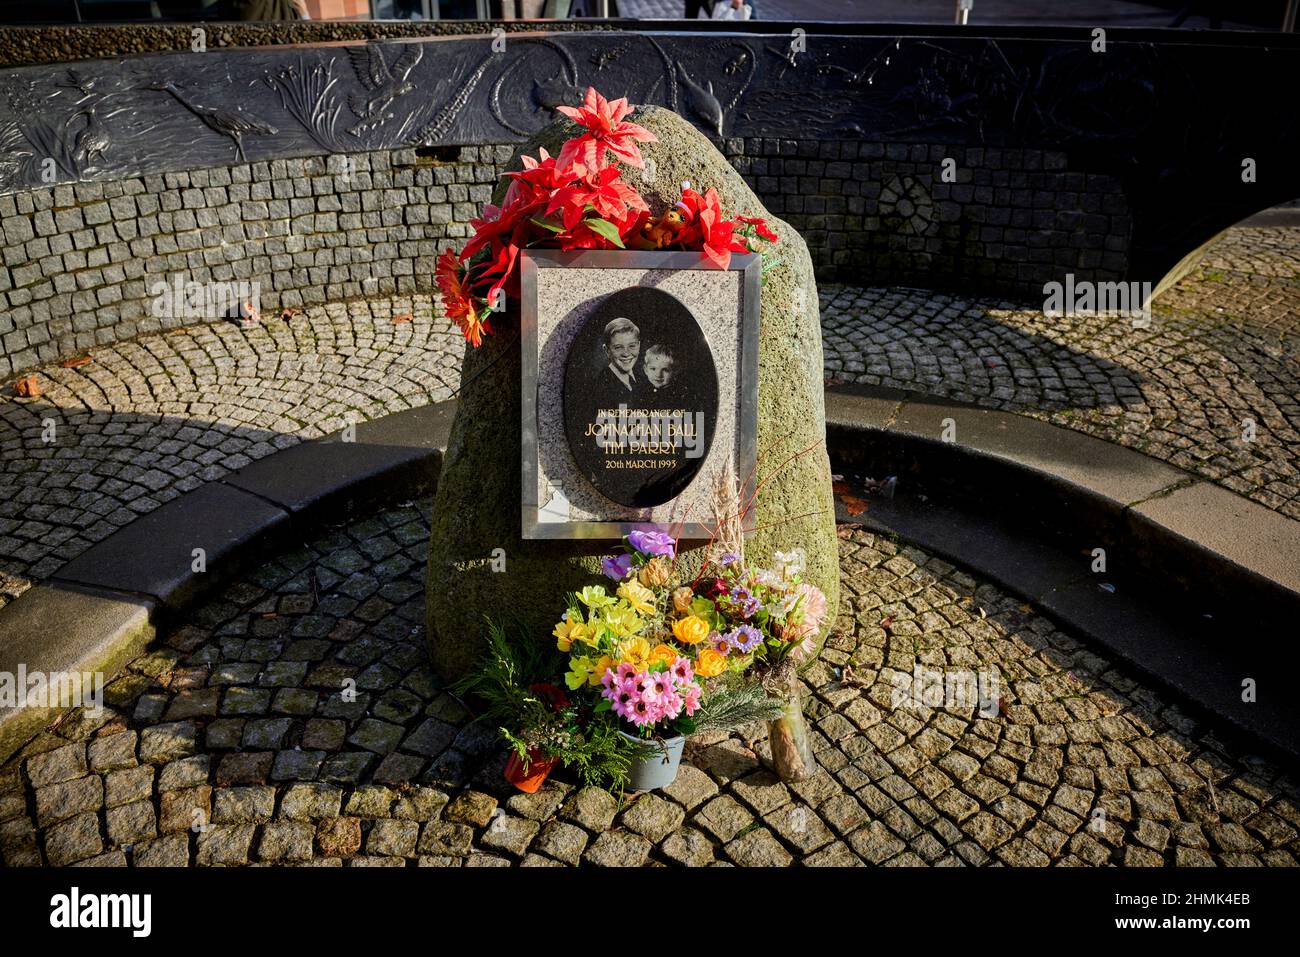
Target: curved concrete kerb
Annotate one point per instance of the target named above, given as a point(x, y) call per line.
point(103, 608)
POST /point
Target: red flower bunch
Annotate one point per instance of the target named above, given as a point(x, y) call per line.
point(577, 200)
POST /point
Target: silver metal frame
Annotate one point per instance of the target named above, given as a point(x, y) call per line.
point(746, 451)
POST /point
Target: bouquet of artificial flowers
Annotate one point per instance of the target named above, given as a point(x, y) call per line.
point(579, 200)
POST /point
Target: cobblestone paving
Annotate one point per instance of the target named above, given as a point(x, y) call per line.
point(147, 420)
point(232, 743)
point(1222, 348)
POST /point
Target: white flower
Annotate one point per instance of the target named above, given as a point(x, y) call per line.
point(790, 565)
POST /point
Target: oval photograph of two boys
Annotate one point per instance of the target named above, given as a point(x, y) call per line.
point(640, 397)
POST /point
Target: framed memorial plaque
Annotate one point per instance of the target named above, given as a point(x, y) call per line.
point(640, 383)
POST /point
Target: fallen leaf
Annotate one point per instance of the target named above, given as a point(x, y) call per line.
point(1027, 609)
point(289, 313)
point(886, 622)
point(849, 680)
point(839, 488)
point(28, 387)
point(402, 317)
point(854, 505)
point(1003, 709)
point(74, 362)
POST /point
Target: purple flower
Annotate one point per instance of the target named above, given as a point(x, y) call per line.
point(616, 566)
point(652, 543)
point(729, 559)
point(745, 638)
point(747, 603)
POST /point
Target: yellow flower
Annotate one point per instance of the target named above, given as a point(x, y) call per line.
point(691, 630)
point(641, 599)
point(593, 596)
point(580, 670)
point(710, 663)
point(634, 651)
point(663, 653)
point(598, 672)
point(623, 620)
point(567, 632)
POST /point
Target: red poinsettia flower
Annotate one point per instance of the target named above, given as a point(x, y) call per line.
point(584, 236)
point(497, 222)
point(503, 232)
point(461, 306)
point(540, 177)
point(760, 227)
point(501, 270)
point(717, 236)
point(611, 198)
point(606, 130)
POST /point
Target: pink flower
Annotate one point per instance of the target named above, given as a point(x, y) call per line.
point(692, 700)
point(626, 672)
point(670, 706)
point(812, 609)
point(814, 604)
point(640, 712)
point(682, 671)
point(651, 690)
point(620, 699)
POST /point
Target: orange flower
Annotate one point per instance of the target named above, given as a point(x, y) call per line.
point(691, 630)
point(665, 653)
point(461, 306)
point(710, 663)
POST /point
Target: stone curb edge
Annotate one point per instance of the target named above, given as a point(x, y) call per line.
point(1014, 473)
point(103, 607)
point(1186, 530)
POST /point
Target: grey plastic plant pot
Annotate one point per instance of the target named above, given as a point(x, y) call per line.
point(658, 768)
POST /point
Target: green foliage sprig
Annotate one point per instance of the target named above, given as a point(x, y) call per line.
point(511, 664)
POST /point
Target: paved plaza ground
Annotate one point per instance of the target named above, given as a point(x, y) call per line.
point(1222, 349)
point(231, 743)
point(145, 421)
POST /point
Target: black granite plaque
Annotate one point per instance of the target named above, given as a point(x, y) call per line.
point(640, 397)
